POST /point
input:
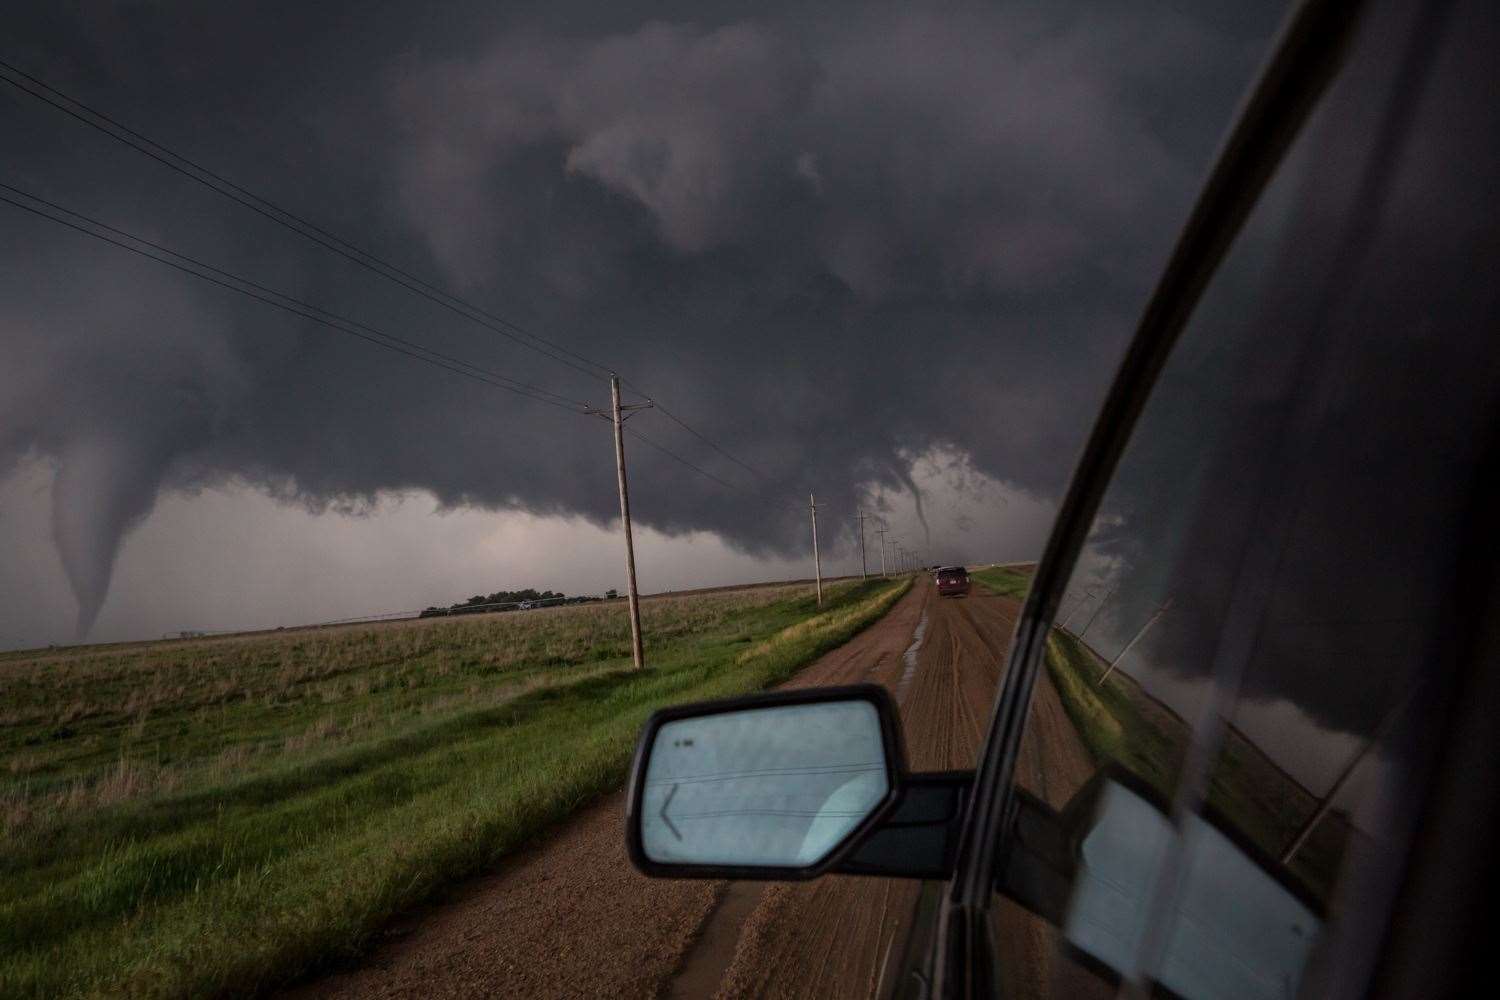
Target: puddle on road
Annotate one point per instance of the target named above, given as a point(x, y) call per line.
point(910, 659)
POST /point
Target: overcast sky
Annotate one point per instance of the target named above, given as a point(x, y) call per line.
point(890, 253)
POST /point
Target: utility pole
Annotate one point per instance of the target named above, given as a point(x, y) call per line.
point(1137, 638)
point(812, 505)
point(1087, 594)
point(881, 532)
point(859, 517)
point(1061, 602)
point(1108, 594)
point(618, 415)
point(1376, 738)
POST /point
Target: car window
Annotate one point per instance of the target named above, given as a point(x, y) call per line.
point(1252, 638)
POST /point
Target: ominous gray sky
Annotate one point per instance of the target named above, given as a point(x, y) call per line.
point(864, 248)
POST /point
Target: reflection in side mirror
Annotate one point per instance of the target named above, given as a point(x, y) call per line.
point(771, 786)
point(1235, 929)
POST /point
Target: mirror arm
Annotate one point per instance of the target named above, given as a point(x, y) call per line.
point(1040, 858)
point(919, 838)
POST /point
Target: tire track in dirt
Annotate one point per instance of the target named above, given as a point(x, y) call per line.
point(833, 937)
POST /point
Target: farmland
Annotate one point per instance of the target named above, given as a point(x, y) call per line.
point(1119, 722)
point(1007, 581)
point(213, 816)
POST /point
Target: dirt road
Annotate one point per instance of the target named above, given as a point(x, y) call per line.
point(571, 918)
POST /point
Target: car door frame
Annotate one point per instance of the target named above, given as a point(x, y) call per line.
point(1304, 61)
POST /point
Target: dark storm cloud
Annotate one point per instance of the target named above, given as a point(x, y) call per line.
point(833, 241)
point(1328, 424)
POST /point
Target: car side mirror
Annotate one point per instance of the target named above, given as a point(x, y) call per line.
point(1240, 920)
point(787, 785)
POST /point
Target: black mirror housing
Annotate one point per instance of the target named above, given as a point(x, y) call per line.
point(764, 769)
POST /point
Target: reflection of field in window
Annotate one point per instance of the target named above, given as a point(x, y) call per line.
point(1118, 721)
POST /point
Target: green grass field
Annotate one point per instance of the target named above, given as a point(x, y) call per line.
point(212, 817)
point(1119, 721)
point(1007, 581)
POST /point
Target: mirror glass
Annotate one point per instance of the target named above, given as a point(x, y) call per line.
point(1235, 931)
point(775, 786)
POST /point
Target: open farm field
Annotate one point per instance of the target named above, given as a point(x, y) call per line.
point(1007, 581)
point(210, 817)
point(1119, 721)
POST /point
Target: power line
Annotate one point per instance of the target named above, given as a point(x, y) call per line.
point(305, 310)
point(270, 210)
point(332, 320)
point(297, 307)
point(702, 471)
point(290, 220)
point(330, 241)
point(698, 434)
point(515, 383)
point(678, 458)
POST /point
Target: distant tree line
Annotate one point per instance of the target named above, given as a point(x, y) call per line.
point(508, 600)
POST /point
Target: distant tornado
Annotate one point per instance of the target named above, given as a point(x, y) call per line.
point(104, 486)
point(903, 472)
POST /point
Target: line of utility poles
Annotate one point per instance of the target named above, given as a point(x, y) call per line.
point(1089, 595)
point(617, 415)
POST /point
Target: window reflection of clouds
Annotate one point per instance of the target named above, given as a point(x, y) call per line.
point(1307, 461)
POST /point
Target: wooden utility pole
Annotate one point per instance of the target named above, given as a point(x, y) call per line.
point(1135, 639)
point(812, 505)
point(617, 415)
point(1087, 596)
point(1110, 593)
point(1326, 803)
point(859, 517)
point(881, 532)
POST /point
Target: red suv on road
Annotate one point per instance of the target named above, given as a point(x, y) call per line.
point(952, 580)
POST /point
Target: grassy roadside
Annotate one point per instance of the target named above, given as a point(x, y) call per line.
point(448, 747)
point(1007, 581)
point(1110, 722)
